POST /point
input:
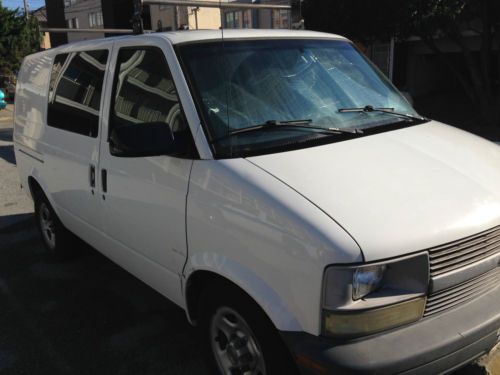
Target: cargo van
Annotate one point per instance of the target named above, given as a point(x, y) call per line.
point(278, 188)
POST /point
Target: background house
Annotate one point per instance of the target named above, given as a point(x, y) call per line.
point(89, 14)
point(41, 15)
point(117, 14)
point(258, 19)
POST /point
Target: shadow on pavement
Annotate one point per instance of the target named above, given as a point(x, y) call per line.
point(6, 135)
point(87, 316)
point(7, 153)
point(13, 223)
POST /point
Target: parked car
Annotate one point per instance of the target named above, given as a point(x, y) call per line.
point(277, 187)
point(3, 103)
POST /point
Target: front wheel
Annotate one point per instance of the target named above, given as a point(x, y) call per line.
point(241, 338)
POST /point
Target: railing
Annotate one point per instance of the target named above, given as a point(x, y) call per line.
point(216, 4)
point(93, 30)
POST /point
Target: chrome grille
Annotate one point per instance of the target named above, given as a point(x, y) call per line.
point(462, 293)
point(463, 252)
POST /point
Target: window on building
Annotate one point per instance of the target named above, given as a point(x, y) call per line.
point(247, 19)
point(281, 19)
point(75, 91)
point(238, 19)
point(68, 3)
point(144, 92)
point(73, 23)
point(95, 19)
point(230, 20)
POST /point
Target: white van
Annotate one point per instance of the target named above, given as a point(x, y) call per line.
point(275, 186)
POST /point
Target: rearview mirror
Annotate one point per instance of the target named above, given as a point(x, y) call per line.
point(146, 139)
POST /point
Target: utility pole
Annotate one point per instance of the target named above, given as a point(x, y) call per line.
point(195, 10)
point(26, 9)
point(176, 18)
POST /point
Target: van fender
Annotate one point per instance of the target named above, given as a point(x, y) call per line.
point(37, 176)
point(248, 281)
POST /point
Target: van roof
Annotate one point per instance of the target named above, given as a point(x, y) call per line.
point(188, 36)
point(177, 37)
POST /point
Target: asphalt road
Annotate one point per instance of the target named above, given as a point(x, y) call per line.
point(86, 315)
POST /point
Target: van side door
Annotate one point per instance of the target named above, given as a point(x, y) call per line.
point(70, 140)
point(145, 196)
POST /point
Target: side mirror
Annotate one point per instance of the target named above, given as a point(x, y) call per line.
point(146, 139)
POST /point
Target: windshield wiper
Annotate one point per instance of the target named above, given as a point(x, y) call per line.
point(390, 111)
point(302, 124)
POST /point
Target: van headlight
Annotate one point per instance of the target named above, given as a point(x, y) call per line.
point(369, 298)
point(366, 280)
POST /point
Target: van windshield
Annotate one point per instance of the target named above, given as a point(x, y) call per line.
point(247, 83)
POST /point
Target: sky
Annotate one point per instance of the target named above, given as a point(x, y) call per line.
point(33, 4)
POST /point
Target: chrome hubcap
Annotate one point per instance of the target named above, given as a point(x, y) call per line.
point(47, 225)
point(234, 345)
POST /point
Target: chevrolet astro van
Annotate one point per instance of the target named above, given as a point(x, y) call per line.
point(278, 188)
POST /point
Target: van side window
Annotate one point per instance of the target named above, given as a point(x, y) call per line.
point(144, 92)
point(75, 91)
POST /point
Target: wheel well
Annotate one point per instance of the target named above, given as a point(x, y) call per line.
point(198, 282)
point(34, 186)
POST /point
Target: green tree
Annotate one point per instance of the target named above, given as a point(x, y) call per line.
point(18, 37)
point(478, 71)
point(360, 20)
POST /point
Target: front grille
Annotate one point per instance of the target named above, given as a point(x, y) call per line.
point(461, 253)
point(462, 293)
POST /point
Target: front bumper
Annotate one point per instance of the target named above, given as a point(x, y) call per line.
point(437, 344)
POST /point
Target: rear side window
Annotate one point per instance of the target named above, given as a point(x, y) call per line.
point(75, 91)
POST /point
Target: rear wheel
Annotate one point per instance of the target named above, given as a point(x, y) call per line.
point(241, 338)
point(56, 238)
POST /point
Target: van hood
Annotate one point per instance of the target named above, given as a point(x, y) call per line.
point(400, 191)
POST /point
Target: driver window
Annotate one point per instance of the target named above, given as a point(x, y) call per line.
point(144, 92)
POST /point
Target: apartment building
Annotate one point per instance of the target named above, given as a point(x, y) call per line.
point(258, 19)
point(41, 15)
point(90, 14)
point(117, 14)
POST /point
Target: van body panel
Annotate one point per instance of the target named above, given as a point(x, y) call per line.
point(158, 277)
point(31, 99)
point(145, 202)
point(29, 117)
point(67, 171)
point(144, 207)
point(401, 191)
point(240, 217)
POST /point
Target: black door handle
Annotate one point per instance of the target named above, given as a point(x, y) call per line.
point(104, 180)
point(92, 176)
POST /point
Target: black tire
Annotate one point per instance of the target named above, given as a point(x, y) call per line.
point(222, 297)
point(56, 239)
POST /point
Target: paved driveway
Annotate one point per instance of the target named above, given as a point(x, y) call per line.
point(85, 316)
